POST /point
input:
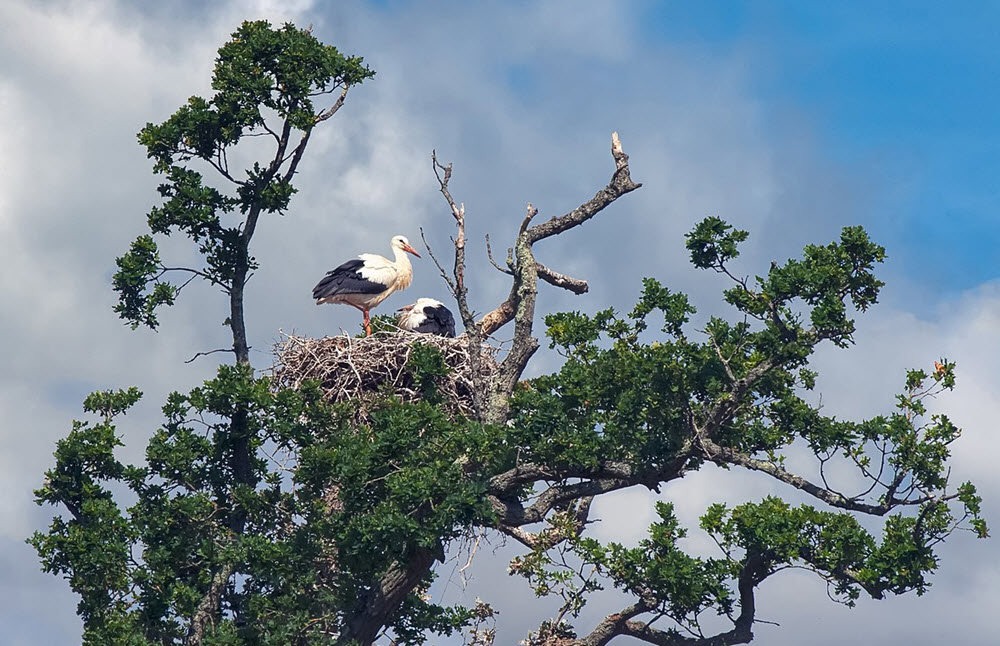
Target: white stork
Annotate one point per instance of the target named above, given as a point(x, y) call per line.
point(368, 280)
point(427, 316)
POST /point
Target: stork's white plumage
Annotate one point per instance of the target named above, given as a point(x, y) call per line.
point(427, 316)
point(368, 280)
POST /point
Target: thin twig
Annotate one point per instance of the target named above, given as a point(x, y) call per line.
point(489, 254)
point(202, 354)
point(444, 274)
point(201, 274)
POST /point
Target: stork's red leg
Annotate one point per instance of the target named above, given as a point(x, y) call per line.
point(368, 327)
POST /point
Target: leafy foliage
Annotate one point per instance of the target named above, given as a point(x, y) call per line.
point(737, 396)
point(340, 506)
point(266, 82)
point(268, 516)
point(375, 493)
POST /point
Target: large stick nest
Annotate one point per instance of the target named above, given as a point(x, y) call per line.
point(361, 370)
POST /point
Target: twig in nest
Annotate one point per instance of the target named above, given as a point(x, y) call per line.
point(362, 370)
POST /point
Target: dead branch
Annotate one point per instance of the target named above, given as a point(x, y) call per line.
point(458, 212)
point(444, 274)
point(519, 306)
point(621, 183)
point(203, 354)
point(458, 288)
point(338, 104)
point(489, 254)
point(556, 279)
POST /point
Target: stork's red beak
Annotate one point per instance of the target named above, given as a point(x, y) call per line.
point(410, 249)
point(405, 308)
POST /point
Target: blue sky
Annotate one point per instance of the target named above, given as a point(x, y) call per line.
point(789, 119)
point(906, 90)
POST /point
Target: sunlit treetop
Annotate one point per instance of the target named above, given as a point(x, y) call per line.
point(276, 84)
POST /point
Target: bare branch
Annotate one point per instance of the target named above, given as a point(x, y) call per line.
point(444, 274)
point(184, 284)
point(196, 272)
point(522, 536)
point(606, 477)
point(578, 511)
point(612, 626)
point(519, 306)
point(498, 317)
point(724, 455)
point(621, 183)
point(457, 284)
point(511, 513)
point(532, 211)
point(524, 345)
point(458, 287)
point(574, 285)
point(489, 254)
point(338, 104)
point(296, 154)
point(443, 183)
point(271, 132)
point(203, 354)
point(514, 478)
point(221, 165)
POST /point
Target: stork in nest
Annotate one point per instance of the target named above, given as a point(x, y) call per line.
point(368, 280)
point(427, 316)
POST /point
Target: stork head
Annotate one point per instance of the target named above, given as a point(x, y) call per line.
point(421, 303)
point(400, 242)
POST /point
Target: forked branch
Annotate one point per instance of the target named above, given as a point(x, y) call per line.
point(456, 285)
point(621, 183)
point(752, 573)
point(519, 306)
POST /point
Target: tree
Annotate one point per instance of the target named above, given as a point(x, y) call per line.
point(270, 515)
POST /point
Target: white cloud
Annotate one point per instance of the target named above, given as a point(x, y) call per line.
point(520, 113)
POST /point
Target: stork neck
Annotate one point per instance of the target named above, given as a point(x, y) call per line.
point(402, 261)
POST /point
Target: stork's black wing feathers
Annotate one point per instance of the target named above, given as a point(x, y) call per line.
point(439, 321)
point(346, 279)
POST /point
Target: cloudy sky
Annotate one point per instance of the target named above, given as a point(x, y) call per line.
point(789, 119)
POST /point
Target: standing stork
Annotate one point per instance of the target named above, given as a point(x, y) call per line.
point(368, 280)
point(427, 316)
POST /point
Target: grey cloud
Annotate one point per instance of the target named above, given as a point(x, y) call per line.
point(523, 101)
